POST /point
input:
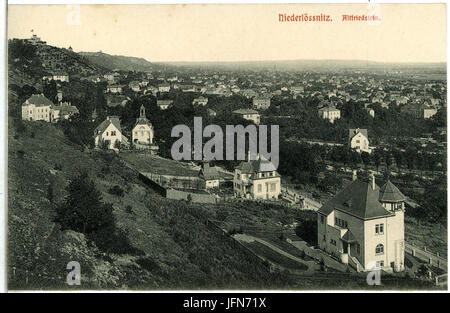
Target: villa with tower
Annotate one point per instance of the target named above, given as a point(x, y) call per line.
point(363, 226)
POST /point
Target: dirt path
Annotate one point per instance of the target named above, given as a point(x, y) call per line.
point(312, 265)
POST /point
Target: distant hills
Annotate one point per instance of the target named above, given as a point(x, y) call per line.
point(119, 62)
point(310, 65)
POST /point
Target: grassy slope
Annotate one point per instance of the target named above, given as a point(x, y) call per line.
point(180, 252)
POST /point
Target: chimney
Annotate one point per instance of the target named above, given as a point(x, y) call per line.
point(355, 175)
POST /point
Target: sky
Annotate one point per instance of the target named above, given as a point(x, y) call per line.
point(166, 33)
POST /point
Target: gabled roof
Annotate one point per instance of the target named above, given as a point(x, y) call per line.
point(208, 173)
point(390, 193)
point(109, 120)
point(349, 237)
point(358, 199)
point(353, 131)
point(245, 111)
point(38, 100)
point(328, 109)
point(259, 165)
point(158, 102)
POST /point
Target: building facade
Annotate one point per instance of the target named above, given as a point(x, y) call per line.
point(261, 103)
point(363, 226)
point(256, 179)
point(109, 134)
point(249, 114)
point(330, 113)
point(37, 108)
point(358, 140)
point(143, 133)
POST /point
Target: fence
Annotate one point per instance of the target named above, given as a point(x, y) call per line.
point(441, 280)
point(190, 196)
point(177, 182)
point(427, 256)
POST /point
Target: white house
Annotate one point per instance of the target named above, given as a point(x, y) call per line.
point(62, 77)
point(210, 175)
point(363, 226)
point(330, 113)
point(164, 88)
point(358, 140)
point(37, 108)
point(261, 103)
point(109, 133)
point(200, 100)
point(164, 104)
point(143, 133)
point(114, 89)
point(256, 179)
point(249, 114)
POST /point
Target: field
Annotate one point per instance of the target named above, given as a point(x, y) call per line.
point(145, 162)
point(424, 234)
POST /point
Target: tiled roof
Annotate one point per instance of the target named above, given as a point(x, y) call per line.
point(245, 111)
point(110, 120)
point(353, 131)
point(328, 109)
point(390, 193)
point(208, 173)
point(38, 100)
point(359, 199)
point(259, 165)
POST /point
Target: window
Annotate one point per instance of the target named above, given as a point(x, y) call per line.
point(259, 188)
point(333, 242)
point(113, 133)
point(380, 264)
point(379, 249)
point(324, 238)
point(379, 229)
point(238, 176)
point(273, 187)
point(322, 220)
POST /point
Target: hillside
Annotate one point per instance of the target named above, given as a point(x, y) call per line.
point(27, 63)
point(113, 62)
point(169, 245)
point(317, 65)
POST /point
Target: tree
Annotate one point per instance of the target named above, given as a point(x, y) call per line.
point(83, 210)
point(307, 230)
point(50, 91)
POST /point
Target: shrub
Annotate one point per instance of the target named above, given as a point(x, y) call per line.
point(117, 191)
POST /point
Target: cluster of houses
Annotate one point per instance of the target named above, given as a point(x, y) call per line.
point(40, 108)
point(109, 134)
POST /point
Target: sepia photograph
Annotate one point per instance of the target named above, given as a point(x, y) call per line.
point(226, 147)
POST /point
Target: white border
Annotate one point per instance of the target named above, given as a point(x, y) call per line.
point(3, 117)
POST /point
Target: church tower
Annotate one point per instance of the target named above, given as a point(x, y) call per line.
point(142, 112)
